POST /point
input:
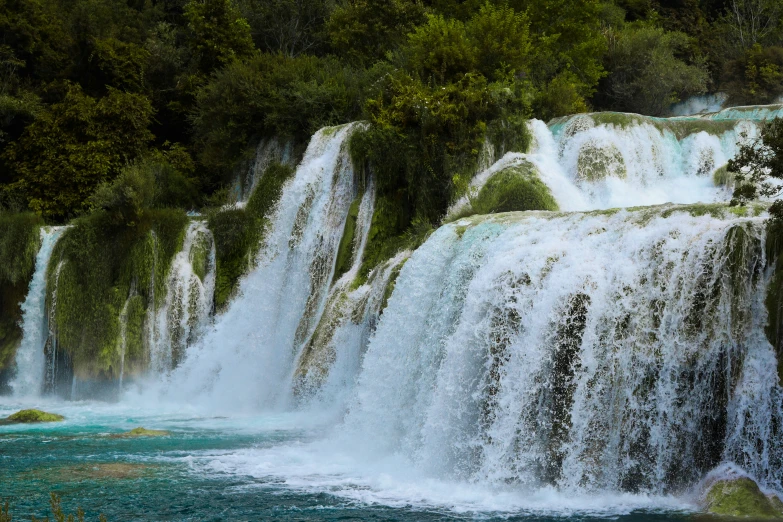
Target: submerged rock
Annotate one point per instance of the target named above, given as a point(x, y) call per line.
point(741, 497)
point(141, 432)
point(32, 416)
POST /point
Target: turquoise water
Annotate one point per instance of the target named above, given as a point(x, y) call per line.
point(217, 468)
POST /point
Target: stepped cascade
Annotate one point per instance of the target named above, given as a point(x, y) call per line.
point(592, 316)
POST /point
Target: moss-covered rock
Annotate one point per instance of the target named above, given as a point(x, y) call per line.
point(238, 232)
point(515, 188)
point(141, 432)
point(740, 497)
point(347, 242)
point(32, 416)
point(599, 161)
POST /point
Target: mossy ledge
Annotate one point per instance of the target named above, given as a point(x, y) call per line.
point(96, 268)
point(141, 432)
point(239, 231)
point(741, 497)
point(32, 416)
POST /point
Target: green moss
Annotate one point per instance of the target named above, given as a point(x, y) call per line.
point(740, 498)
point(347, 242)
point(513, 189)
point(774, 298)
point(96, 267)
point(238, 231)
point(141, 432)
point(33, 416)
point(723, 177)
point(199, 255)
point(389, 290)
point(680, 127)
point(597, 162)
point(20, 240)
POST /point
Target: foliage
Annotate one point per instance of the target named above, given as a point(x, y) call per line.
point(271, 95)
point(75, 145)
point(755, 77)
point(365, 31)
point(757, 163)
point(645, 74)
point(218, 33)
point(19, 243)
point(290, 27)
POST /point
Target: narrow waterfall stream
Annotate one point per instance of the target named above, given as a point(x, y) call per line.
point(30, 359)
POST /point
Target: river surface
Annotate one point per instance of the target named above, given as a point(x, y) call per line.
point(255, 467)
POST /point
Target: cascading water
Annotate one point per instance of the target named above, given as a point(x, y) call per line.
point(190, 288)
point(30, 358)
point(604, 351)
point(246, 358)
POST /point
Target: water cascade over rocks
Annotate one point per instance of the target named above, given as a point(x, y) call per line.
point(30, 359)
point(615, 343)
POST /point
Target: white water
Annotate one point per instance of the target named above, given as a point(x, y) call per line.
point(30, 358)
point(246, 360)
point(570, 362)
point(186, 312)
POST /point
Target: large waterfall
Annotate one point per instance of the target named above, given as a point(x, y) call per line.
point(614, 346)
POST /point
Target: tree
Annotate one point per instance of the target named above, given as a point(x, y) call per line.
point(363, 31)
point(645, 73)
point(74, 145)
point(750, 22)
point(291, 27)
point(757, 163)
point(218, 33)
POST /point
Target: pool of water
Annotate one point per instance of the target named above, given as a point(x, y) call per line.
point(253, 467)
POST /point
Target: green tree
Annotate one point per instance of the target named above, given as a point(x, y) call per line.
point(73, 146)
point(501, 39)
point(291, 27)
point(568, 46)
point(645, 74)
point(364, 31)
point(218, 33)
point(757, 164)
point(441, 50)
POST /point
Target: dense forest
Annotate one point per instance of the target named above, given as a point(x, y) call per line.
point(170, 97)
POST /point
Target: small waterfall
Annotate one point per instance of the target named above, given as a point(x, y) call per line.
point(620, 351)
point(30, 359)
point(51, 343)
point(190, 288)
point(246, 359)
point(123, 339)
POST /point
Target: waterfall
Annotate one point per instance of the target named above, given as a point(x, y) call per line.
point(30, 359)
point(245, 359)
point(190, 287)
point(619, 351)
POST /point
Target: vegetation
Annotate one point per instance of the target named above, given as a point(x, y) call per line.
point(32, 416)
point(58, 514)
point(142, 432)
point(740, 497)
point(757, 164)
point(19, 242)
